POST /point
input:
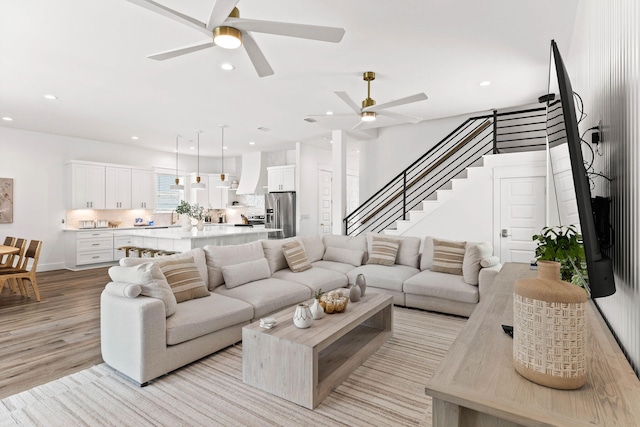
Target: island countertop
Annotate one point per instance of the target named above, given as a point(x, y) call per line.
point(208, 232)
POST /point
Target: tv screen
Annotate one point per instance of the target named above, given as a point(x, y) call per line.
point(569, 171)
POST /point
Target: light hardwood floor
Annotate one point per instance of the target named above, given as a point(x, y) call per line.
point(42, 341)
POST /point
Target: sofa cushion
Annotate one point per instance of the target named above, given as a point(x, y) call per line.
point(383, 251)
point(474, 253)
point(358, 243)
point(448, 256)
point(268, 295)
point(122, 289)
point(151, 281)
point(197, 254)
point(245, 272)
point(489, 261)
point(315, 278)
point(334, 266)
point(426, 260)
point(201, 316)
point(218, 256)
point(296, 256)
point(273, 253)
point(382, 276)
point(344, 255)
point(408, 249)
point(313, 246)
point(184, 279)
point(441, 285)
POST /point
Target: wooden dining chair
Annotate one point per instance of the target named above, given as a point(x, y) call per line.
point(14, 261)
point(25, 272)
point(4, 259)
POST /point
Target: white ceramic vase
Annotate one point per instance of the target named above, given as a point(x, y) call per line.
point(302, 317)
point(362, 283)
point(355, 292)
point(185, 222)
point(316, 310)
point(200, 225)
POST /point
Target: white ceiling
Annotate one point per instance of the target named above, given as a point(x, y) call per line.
point(92, 55)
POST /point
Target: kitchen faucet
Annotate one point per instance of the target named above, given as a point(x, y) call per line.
point(173, 218)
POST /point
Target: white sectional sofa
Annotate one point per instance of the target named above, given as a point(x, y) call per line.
point(160, 314)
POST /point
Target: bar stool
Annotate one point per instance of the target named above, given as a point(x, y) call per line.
point(126, 250)
point(151, 252)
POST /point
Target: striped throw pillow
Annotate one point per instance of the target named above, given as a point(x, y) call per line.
point(296, 256)
point(448, 256)
point(184, 279)
point(383, 251)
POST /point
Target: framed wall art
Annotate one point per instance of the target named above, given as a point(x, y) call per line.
point(6, 200)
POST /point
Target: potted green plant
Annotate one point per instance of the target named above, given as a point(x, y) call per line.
point(184, 210)
point(199, 213)
point(564, 245)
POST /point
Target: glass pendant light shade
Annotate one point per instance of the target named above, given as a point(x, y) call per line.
point(368, 116)
point(198, 185)
point(177, 185)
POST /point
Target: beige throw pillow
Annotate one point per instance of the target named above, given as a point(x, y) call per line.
point(245, 272)
point(343, 255)
point(296, 256)
point(448, 256)
point(184, 279)
point(383, 251)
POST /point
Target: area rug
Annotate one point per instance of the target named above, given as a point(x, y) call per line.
point(387, 390)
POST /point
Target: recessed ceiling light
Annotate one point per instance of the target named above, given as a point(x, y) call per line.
point(227, 67)
point(329, 113)
point(7, 119)
point(485, 83)
point(192, 148)
point(252, 143)
point(134, 137)
point(49, 96)
point(225, 147)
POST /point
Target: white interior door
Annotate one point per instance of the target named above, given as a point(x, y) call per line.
point(353, 193)
point(324, 202)
point(522, 214)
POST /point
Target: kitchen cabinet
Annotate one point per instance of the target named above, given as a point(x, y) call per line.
point(88, 247)
point(117, 188)
point(282, 178)
point(120, 241)
point(143, 192)
point(218, 197)
point(87, 182)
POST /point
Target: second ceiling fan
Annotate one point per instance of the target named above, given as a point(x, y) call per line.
point(226, 29)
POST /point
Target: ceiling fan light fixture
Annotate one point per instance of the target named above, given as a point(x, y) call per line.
point(227, 37)
point(368, 116)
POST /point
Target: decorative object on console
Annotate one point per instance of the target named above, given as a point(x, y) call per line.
point(334, 302)
point(302, 317)
point(361, 281)
point(550, 329)
point(355, 292)
point(563, 244)
point(317, 311)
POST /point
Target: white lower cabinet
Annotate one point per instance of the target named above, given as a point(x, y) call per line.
point(118, 242)
point(88, 247)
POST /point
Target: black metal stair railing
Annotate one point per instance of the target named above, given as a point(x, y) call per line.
point(465, 146)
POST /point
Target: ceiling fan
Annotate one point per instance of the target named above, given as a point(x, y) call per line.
point(370, 110)
point(228, 30)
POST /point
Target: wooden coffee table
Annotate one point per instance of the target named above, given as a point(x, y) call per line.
point(305, 365)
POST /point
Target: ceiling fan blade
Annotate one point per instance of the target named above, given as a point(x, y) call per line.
point(350, 102)
point(359, 125)
point(170, 13)
point(403, 117)
point(402, 101)
point(313, 32)
point(220, 13)
point(256, 56)
point(181, 51)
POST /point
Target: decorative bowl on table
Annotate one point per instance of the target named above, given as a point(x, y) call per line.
point(334, 302)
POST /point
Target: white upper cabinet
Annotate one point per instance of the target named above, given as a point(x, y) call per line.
point(87, 182)
point(143, 192)
point(282, 178)
point(117, 188)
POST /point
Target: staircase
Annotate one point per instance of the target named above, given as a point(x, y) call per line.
point(448, 168)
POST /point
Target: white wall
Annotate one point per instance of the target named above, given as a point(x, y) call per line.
point(604, 68)
point(310, 159)
point(36, 161)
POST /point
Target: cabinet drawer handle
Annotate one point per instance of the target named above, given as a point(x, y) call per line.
point(95, 244)
point(95, 256)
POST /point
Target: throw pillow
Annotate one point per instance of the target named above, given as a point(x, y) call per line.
point(296, 256)
point(313, 246)
point(245, 272)
point(184, 279)
point(473, 254)
point(197, 254)
point(151, 280)
point(347, 256)
point(383, 251)
point(489, 261)
point(448, 256)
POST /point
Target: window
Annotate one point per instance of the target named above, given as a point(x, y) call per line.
point(166, 198)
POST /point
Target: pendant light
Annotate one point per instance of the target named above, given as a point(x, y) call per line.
point(223, 183)
point(198, 185)
point(177, 185)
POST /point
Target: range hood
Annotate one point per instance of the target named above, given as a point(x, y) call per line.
point(253, 178)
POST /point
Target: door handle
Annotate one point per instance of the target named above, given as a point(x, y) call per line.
point(505, 233)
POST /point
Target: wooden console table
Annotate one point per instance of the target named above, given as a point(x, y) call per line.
point(477, 385)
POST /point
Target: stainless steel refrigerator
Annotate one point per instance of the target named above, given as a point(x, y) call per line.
point(280, 212)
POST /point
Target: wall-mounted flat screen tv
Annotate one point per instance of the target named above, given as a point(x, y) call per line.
point(568, 168)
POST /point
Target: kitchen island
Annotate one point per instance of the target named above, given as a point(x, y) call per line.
point(98, 247)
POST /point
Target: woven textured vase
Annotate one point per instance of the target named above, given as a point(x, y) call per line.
point(550, 329)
